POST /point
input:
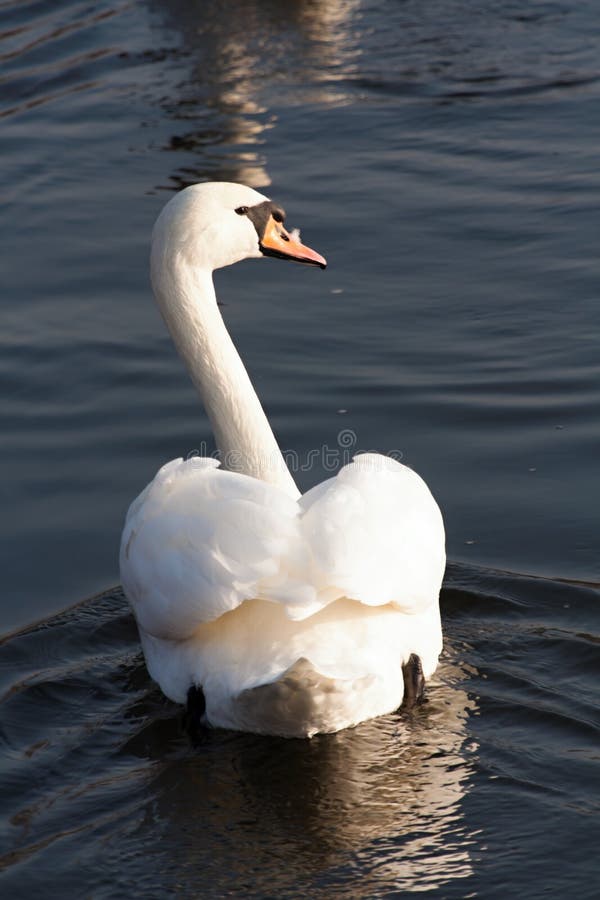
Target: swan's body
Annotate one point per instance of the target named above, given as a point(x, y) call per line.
point(294, 615)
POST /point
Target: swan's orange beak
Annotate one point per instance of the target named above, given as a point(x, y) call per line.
point(276, 241)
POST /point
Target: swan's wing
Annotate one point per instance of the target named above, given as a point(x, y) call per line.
point(376, 534)
point(199, 541)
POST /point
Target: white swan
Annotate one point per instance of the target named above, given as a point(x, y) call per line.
point(291, 614)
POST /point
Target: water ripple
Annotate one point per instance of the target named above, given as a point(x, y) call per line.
point(96, 757)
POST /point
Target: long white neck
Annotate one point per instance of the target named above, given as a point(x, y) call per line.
point(246, 443)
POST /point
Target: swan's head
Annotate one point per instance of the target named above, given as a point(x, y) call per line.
point(217, 224)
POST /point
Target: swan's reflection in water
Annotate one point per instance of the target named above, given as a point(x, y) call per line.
point(239, 55)
point(102, 782)
point(377, 807)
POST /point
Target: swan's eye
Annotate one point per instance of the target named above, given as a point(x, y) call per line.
point(277, 215)
point(242, 210)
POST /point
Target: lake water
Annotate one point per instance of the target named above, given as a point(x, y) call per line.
point(443, 156)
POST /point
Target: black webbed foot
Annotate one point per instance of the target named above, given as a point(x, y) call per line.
point(414, 682)
point(193, 719)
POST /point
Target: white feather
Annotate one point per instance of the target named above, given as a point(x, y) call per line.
point(293, 614)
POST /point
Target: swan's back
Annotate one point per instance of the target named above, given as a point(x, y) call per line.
point(293, 617)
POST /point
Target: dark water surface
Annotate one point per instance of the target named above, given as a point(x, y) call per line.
point(487, 790)
point(444, 157)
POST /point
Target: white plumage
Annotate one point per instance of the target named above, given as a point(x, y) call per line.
point(294, 615)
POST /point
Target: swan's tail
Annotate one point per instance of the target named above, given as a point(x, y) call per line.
point(303, 702)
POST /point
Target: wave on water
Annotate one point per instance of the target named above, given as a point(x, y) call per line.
point(104, 791)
